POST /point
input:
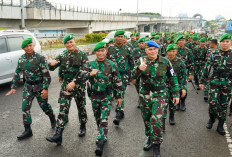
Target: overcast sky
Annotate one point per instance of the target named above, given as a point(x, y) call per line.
point(208, 8)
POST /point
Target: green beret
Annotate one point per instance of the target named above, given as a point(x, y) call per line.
point(67, 38)
point(195, 38)
point(165, 33)
point(187, 35)
point(195, 34)
point(173, 36)
point(209, 38)
point(179, 37)
point(142, 39)
point(175, 41)
point(153, 37)
point(119, 32)
point(132, 34)
point(169, 38)
point(203, 39)
point(112, 40)
point(25, 42)
point(152, 33)
point(225, 36)
point(99, 45)
point(157, 37)
point(146, 36)
point(171, 47)
point(147, 39)
point(137, 34)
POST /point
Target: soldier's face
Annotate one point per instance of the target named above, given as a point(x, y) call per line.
point(168, 41)
point(125, 40)
point(137, 37)
point(132, 38)
point(195, 42)
point(101, 54)
point(147, 38)
point(29, 49)
point(119, 39)
point(171, 54)
point(70, 45)
point(225, 44)
point(202, 44)
point(157, 41)
point(209, 42)
point(110, 44)
point(181, 42)
point(190, 40)
point(152, 52)
point(211, 45)
point(141, 45)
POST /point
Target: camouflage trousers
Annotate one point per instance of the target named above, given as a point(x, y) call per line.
point(65, 102)
point(137, 84)
point(197, 72)
point(125, 79)
point(219, 97)
point(28, 96)
point(152, 109)
point(101, 112)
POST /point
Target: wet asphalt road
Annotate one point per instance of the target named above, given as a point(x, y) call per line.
point(188, 138)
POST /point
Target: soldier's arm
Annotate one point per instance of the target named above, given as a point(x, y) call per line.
point(84, 73)
point(58, 59)
point(131, 59)
point(205, 74)
point(16, 78)
point(171, 76)
point(183, 76)
point(117, 82)
point(46, 74)
point(190, 62)
point(136, 72)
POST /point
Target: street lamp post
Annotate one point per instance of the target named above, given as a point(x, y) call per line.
point(22, 15)
point(137, 25)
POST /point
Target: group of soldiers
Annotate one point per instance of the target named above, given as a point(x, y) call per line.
point(159, 65)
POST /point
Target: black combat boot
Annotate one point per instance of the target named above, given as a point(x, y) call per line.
point(178, 107)
point(156, 150)
point(117, 118)
point(57, 138)
point(220, 128)
point(53, 120)
point(171, 119)
point(100, 147)
point(206, 96)
point(148, 145)
point(163, 123)
point(82, 130)
point(182, 103)
point(209, 125)
point(27, 133)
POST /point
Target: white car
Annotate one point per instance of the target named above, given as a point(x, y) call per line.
point(111, 35)
point(10, 51)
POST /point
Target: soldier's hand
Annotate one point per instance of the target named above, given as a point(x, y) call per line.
point(53, 63)
point(93, 72)
point(133, 81)
point(70, 86)
point(12, 91)
point(119, 102)
point(183, 91)
point(60, 79)
point(190, 77)
point(201, 86)
point(176, 101)
point(143, 66)
point(44, 94)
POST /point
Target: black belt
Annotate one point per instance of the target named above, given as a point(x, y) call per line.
point(222, 75)
point(34, 82)
point(153, 88)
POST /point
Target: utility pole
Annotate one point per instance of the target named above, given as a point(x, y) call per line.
point(137, 25)
point(161, 15)
point(22, 15)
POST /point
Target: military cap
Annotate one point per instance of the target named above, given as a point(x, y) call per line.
point(152, 33)
point(209, 38)
point(112, 40)
point(146, 36)
point(67, 38)
point(119, 32)
point(179, 37)
point(195, 34)
point(195, 38)
point(169, 38)
point(175, 41)
point(153, 37)
point(137, 34)
point(171, 47)
point(151, 44)
point(147, 39)
point(157, 37)
point(225, 36)
point(142, 39)
point(203, 39)
point(173, 36)
point(25, 42)
point(99, 45)
point(132, 34)
point(187, 36)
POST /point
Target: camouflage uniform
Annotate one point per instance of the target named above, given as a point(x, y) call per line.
point(107, 80)
point(134, 44)
point(122, 57)
point(70, 64)
point(181, 73)
point(187, 56)
point(191, 45)
point(37, 78)
point(152, 94)
point(218, 70)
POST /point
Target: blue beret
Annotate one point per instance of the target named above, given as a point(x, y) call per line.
point(151, 44)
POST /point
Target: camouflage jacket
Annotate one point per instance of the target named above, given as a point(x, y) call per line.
point(34, 72)
point(218, 68)
point(133, 44)
point(137, 53)
point(156, 76)
point(180, 71)
point(187, 44)
point(187, 56)
point(162, 50)
point(70, 65)
point(108, 80)
point(122, 57)
point(191, 45)
point(199, 55)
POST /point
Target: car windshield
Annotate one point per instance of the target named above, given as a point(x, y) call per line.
point(110, 35)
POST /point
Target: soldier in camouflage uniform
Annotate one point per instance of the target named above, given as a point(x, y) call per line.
point(208, 42)
point(111, 42)
point(36, 83)
point(104, 78)
point(155, 71)
point(181, 73)
point(199, 54)
point(133, 42)
point(121, 55)
point(71, 61)
point(218, 70)
point(194, 42)
point(157, 40)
